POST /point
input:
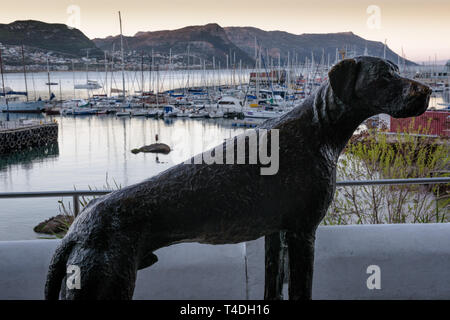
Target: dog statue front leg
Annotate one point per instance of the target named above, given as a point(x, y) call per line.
point(301, 263)
point(275, 251)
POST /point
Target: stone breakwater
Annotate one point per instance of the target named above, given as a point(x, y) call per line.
point(22, 137)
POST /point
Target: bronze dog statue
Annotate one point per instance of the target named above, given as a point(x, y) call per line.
point(116, 235)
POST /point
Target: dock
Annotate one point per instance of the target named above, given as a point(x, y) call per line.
point(23, 135)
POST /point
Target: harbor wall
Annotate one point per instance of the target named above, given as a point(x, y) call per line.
point(13, 139)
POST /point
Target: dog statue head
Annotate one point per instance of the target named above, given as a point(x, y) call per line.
point(374, 85)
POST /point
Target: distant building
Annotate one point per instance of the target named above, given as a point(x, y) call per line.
point(268, 77)
point(436, 122)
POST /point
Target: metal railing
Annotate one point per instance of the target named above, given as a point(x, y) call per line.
point(76, 194)
point(393, 182)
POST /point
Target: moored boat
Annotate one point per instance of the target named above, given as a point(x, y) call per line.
point(21, 106)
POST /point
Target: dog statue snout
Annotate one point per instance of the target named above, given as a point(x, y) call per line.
point(418, 89)
point(415, 99)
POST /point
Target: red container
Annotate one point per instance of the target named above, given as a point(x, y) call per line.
point(437, 122)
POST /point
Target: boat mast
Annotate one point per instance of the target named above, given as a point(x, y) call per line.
point(227, 68)
point(279, 68)
point(219, 74)
point(87, 72)
point(240, 73)
point(3, 85)
point(152, 68)
point(142, 79)
point(257, 73)
point(170, 70)
point(24, 72)
point(142, 73)
point(121, 52)
point(214, 73)
point(106, 74)
point(157, 85)
point(60, 92)
point(112, 80)
point(73, 76)
point(188, 53)
point(234, 69)
point(48, 78)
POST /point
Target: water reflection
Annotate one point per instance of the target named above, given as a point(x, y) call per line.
point(26, 158)
point(89, 149)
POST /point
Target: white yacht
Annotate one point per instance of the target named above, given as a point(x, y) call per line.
point(15, 106)
point(75, 103)
point(198, 114)
point(170, 111)
point(229, 104)
point(215, 114)
point(90, 85)
point(139, 113)
point(262, 114)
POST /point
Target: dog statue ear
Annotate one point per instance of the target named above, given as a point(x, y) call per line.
point(342, 79)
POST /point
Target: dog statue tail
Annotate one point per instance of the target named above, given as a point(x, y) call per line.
point(57, 270)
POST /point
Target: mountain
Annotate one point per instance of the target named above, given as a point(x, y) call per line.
point(304, 45)
point(204, 42)
point(48, 36)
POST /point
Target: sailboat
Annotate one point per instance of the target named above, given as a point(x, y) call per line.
point(16, 106)
point(90, 85)
point(12, 104)
point(124, 103)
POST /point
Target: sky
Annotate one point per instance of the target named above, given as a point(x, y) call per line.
point(420, 29)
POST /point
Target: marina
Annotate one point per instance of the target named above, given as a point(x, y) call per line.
point(241, 98)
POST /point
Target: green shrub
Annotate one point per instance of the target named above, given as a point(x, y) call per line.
point(373, 155)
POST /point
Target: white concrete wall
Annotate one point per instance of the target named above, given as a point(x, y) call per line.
point(184, 271)
point(414, 262)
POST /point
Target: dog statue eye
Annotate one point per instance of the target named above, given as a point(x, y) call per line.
point(385, 79)
point(390, 74)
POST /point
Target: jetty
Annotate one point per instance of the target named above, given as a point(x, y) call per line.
point(22, 135)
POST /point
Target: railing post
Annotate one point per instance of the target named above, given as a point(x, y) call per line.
point(437, 205)
point(76, 205)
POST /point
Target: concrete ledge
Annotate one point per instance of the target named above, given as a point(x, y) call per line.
point(414, 261)
point(184, 271)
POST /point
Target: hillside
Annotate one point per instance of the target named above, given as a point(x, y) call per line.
point(204, 42)
point(280, 42)
point(46, 36)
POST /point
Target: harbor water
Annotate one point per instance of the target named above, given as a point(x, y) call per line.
point(91, 152)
